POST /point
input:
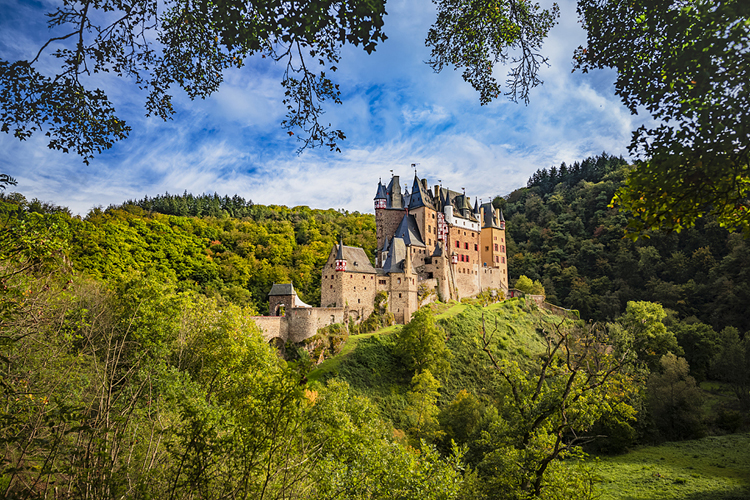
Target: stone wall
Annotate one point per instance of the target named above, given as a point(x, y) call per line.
point(272, 326)
point(304, 322)
point(299, 323)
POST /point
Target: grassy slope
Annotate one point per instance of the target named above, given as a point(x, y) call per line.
point(367, 362)
point(716, 467)
point(330, 366)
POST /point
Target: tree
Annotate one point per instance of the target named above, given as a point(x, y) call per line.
point(732, 364)
point(685, 63)
point(421, 344)
point(191, 44)
point(477, 34)
point(674, 399)
point(525, 284)
point(421, 411)
point(645, 333)
point(549, 408)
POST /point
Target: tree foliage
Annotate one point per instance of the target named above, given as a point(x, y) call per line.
point(685, 63)
point(674, 399)
point(191, 44)
point(475, 35)
point(421, 344)
point(185, 44)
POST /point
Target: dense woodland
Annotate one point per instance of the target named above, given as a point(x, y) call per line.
point(131, 367)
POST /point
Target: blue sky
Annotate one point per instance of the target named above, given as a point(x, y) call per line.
point(396, 111)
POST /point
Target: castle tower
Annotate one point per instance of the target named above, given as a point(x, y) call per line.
point(493, 247)
point(381, 197)
point(389, 210)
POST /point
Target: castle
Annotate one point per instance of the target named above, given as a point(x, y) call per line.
point(431, 244)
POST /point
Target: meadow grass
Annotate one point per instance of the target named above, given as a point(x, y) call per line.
point(715, 467)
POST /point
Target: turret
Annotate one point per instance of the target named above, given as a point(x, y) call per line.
point(381, 196)
point(340, 260)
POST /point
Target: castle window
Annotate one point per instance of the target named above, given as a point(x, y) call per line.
point(486, 249)
point(467, 259)
point(466, 246)
point(399, 295)
point(364, 277)
point(458, 245)
point(331, 286)
point(497, 259)
point(496, 247)
point(355, 287)
point(382, 282)
point(476, 247)
point(503, 259)
point(495, 238)
point(502, 248)
point(365, 288)
point(357, 301)
point(398, 281)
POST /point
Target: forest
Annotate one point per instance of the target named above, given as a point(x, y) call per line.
point(131, 367)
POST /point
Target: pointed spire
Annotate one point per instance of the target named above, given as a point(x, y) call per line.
point(381, 193)
point(340, 254)
point(502, 219)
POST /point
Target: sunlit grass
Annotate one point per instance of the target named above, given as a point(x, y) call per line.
point(716, 468)
point(331, 365)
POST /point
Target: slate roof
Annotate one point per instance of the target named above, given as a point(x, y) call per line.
point(396, 258)
point(408, 230)
point(489, 216)
point(381, 194)
point(396, 255)
point(356, 259)
point(386, 244)
point(340, 251)
point(420, 196)
point(282, 289)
